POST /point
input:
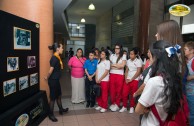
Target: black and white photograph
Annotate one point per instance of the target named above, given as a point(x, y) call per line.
point(22, 39)
point(9, 87)
point(23, 82)
point(33, 79)
point(12, 64)
point(31, 61)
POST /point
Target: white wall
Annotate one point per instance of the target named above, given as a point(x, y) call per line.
point(75, 45)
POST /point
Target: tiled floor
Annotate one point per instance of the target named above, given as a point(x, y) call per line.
point(78, 115)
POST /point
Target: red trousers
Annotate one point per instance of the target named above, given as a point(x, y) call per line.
point(103, 99)
point(129, 88)
point(116, 86)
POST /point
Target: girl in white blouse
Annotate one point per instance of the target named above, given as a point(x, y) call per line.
point(102, 78)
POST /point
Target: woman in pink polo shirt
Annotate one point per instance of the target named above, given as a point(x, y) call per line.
point(77, 77)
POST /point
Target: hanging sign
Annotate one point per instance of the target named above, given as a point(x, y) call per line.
point(179, 10)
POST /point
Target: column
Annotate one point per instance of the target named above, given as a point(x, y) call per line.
point(40, 11)
point(144, 15)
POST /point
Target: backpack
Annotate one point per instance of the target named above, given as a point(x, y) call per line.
point(141, 81)
point(179, 119)
point(143, 74)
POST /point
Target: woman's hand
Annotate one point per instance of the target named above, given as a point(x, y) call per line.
point(127, 80)
point(191, 77)
point(146, 110)
point(98, 81)
point(134, 95)
point(113, 65)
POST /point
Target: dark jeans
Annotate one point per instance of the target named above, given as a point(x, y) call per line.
point(90, 97)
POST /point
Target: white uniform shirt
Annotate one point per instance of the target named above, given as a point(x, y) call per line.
point(113, 59)
point(132, 66)
point(142, 62)
point(101, 67)
point(152, 95)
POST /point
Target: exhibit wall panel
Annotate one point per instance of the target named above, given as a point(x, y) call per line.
point(19, 60)
point(40, 11)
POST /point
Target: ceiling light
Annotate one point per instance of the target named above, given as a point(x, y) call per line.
point(91, 7)
point(78, 27)
point(83, 20)
point(120, 23)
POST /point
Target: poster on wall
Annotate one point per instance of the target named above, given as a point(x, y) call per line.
point(12, 64)
point(22, 39)
point(19, 57)
point(31, 61)
point(33, 79)
point(9, 87)
point(23, 82)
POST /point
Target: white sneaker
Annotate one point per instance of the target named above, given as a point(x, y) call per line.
point(98, 108)
point(123, 109)
point(115, 108)
point(103, 110)
point(131, 110)
point(112, 106)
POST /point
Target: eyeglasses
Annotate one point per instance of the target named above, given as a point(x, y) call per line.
point(117, 48)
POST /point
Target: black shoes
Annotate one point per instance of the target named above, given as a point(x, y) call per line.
point(92, 105)
point(65, 110)
point(52, 118)
point(87, 105)
point(61, 111)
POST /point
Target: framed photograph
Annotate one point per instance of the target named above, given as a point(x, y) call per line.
point(12, 64)
point(31, 61)
point(22, 39)
point(33, 79)
point(9, 87)
point(23, 82)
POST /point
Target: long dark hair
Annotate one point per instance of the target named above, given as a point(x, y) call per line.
point(120, 53)
point(107, 55)
point(168, 68)
point(55, 46)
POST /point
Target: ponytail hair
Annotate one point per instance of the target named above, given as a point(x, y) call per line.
point(167, 67)
point(54, 46)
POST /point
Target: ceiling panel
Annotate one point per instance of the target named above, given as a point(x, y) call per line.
point(79, 9)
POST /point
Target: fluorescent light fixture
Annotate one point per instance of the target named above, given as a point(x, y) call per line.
point(83, 20)
point(91, 7)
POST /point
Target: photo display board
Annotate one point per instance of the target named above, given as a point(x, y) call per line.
point(19, 60)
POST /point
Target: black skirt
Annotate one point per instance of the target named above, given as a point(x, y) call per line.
point(55, 88)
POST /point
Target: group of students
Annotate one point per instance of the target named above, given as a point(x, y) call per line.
point(160, 85)
point(108, 72)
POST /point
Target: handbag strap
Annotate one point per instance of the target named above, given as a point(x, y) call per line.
point(155, 112)
point(80, 60)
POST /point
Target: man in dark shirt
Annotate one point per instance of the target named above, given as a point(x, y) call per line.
point(71, 53)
